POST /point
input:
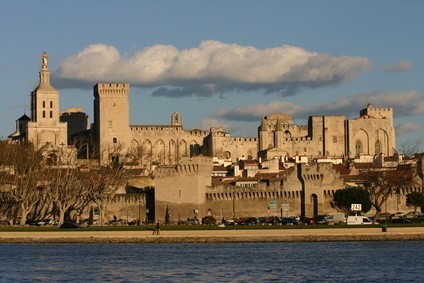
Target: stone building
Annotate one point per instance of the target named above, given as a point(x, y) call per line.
point(371, 133)
point(76, 119)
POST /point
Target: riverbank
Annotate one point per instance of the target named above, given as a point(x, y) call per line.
point(217, 236)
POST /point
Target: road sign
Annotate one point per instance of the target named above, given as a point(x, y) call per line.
point(272, 206)
point(356, 207)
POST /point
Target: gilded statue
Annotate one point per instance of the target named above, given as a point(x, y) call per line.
point(44, 60)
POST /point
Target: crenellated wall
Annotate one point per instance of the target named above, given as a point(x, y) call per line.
point(182, 187)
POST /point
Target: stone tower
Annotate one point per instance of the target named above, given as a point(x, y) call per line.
point(111, 120)
point(45, 127)
point(372, 133)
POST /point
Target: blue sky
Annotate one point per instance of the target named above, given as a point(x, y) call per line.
point(220, 63)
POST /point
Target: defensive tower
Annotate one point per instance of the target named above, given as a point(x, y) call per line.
point(111, 120)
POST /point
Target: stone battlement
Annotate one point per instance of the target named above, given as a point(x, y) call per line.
point(112, 88)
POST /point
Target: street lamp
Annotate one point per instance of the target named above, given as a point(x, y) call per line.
point(234, 201)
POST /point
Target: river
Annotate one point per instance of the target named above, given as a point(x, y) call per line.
point(225, 262)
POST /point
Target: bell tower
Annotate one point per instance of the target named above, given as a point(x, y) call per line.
point(45, 126)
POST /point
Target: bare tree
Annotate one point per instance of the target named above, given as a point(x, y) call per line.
point(102, 186)
point(21, 171)
point(411, 147)
point(382, 184)
point(66, 189)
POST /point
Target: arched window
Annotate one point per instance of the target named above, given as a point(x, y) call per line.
point(358, 148)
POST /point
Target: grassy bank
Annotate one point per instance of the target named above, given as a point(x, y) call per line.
point(199, 227)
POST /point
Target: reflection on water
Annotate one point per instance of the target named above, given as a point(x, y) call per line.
point(235, 262)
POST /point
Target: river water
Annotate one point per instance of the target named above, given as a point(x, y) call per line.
point(225, 262)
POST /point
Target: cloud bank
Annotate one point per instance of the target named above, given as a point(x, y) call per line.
point(210, 68)
point(404, 104)
point(397, 67)
point(408, 128)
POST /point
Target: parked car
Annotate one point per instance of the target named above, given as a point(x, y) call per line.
point(70, 225)
point(399, 214)
point(401, 220)
point(239, 221)
point(31, 222)
point(308, 221)
point(209, 220)
point(288, 221)
point(357, 220)
point(270, 220)
point(45, 222)
point(119, 222)
point(295, 217)
point(251, 220)
point(192, 221)
point(413, 214)
point(385, 215)
point(321, 219)
point(339, 218)
point(229, 222)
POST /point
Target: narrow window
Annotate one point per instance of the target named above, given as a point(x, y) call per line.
point(358, 148)
point(377, 147)
point(44, 104)
point(115, 140)
point(51, 114)
point(51, 104)
point(44, 114)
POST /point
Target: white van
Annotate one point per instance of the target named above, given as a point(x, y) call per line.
point(336, 219)
point(356, 220)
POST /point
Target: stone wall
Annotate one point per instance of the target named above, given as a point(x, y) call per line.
point(182, 188)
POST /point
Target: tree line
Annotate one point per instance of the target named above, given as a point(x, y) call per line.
point(31, 189)
point(376, 188)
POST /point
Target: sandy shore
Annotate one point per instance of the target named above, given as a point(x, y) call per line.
point(218, 236)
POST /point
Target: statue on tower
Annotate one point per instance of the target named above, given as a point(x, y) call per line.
point(44, 60)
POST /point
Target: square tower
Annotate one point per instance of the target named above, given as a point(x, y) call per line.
point(111, 120)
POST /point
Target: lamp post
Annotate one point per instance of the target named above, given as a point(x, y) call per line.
point(234, 201)
point(147, 216)
point(139, 210)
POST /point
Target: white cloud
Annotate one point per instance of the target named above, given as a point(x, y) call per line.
point(404, 104)
point(216, 123)
point(399, 66)
point(256, 112)
point(212, 67)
